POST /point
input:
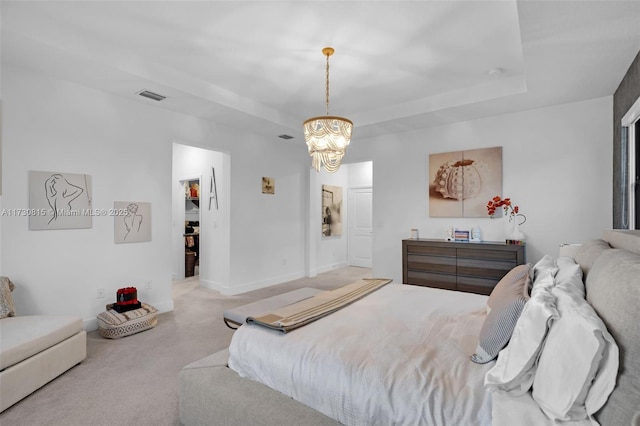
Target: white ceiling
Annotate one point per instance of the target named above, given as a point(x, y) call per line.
point(398, 66)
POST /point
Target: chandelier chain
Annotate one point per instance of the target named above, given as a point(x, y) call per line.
point(327, 86)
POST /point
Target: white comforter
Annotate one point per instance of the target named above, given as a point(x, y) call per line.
point(400, 356)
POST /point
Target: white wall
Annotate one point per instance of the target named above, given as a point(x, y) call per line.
point(268, 231)
point(556, 166)
point(51, 125)
point(126, 146)
point(360, 174)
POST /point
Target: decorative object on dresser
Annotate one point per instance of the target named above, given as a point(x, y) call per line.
point(470, 267)
point(514, 235)
point(461, 235)
point(450, 233)
point(476, 234)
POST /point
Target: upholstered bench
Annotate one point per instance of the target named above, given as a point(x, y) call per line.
point(35, 349)
point(237, 316)
point(113, 325)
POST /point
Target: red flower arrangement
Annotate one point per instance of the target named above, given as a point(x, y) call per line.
point(497, 202)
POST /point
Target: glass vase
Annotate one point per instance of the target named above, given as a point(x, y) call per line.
point(515, 235)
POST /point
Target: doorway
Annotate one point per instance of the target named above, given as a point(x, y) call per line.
point(204, 214)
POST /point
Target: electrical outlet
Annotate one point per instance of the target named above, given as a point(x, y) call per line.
point(147, 285)
point(100, 293)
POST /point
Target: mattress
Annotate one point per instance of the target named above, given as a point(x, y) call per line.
point(398, 356)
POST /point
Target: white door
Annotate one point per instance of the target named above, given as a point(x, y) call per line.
point(361, 227)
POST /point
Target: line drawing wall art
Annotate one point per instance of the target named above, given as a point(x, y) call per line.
point(131, 222)
point(59, 200)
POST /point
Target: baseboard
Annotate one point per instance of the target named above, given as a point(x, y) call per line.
point(327, 268)
point(256, 285)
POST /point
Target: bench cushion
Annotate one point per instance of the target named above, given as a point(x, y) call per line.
point(25, 336)
point(114, 325)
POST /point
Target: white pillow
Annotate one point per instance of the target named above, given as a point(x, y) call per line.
point(578, 364)
point(569, 276)
point(515, 368)
point(546, 264)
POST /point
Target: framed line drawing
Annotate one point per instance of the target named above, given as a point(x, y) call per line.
point(61, 200)
point(131, 222)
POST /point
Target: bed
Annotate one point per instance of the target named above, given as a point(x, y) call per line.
point(401, 355)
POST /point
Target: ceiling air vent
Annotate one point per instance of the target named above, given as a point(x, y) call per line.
point(285, 137)
point(151, 95)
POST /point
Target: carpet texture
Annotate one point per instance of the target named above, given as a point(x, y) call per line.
point(134, 380)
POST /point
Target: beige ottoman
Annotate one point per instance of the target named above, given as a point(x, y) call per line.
point(114, 325)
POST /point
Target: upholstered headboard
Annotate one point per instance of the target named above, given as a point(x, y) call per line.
point(612, 277)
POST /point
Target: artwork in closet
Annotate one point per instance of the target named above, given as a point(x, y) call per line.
point(59, 200)
point(131, 221)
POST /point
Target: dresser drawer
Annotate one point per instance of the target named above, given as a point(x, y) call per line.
point(431, 263)
point(484, 268)
point(431, 280)
point(476, 285)
point(469, 253)
point(431, 250)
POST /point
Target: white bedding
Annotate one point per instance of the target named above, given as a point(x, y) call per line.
point(522, 410)
point(399, 356)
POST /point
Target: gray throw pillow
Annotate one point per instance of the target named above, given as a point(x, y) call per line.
point(506, 303)
point(587, 254)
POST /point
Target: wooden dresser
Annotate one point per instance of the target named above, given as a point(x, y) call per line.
point(474, 267)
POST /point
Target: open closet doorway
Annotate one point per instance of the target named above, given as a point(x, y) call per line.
point(200, 231)
point(191, 227)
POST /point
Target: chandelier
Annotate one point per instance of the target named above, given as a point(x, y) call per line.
point(327, 136)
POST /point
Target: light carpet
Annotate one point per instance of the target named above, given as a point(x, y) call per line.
point(134, 380)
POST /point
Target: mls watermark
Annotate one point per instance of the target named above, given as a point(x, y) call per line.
point(64, 212)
